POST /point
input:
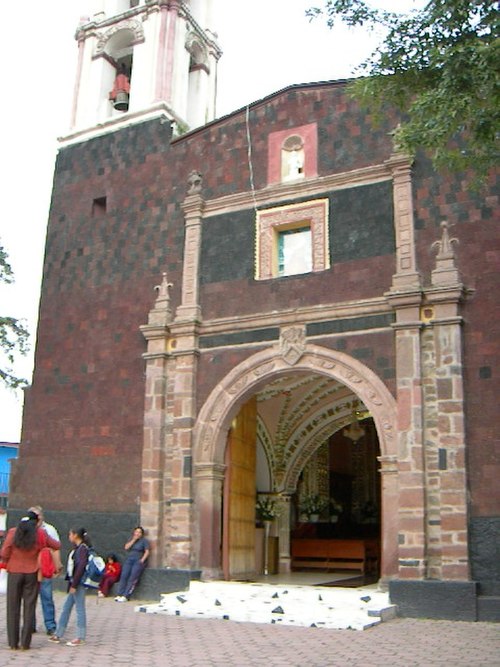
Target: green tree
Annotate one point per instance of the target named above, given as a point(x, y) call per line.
point(13, 335)
point(440, 67)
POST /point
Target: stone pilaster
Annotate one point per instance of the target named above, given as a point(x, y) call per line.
point(193, 207)
point(412, 536)
point(158, 364)
point(389, 530)
point(406, 276)
point(285, 559)
point(184, 346)
point(444, 419)
point(209, 478)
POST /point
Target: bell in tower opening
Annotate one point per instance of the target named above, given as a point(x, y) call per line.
point(121, 90)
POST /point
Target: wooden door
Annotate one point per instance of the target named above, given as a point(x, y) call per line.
point(239, 495)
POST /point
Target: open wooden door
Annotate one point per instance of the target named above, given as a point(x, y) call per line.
point(238, 552)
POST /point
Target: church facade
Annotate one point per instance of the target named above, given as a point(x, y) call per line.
point(276, 305)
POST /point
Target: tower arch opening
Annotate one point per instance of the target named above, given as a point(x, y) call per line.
point(118, 55)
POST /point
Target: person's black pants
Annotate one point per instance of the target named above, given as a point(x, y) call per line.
point(21, 588)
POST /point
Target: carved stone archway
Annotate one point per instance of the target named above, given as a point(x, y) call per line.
point(214, 421)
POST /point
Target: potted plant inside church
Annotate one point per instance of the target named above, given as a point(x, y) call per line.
point(267, 511)
point(313, 505)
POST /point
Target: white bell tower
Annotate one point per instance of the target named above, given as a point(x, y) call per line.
point(143, 58)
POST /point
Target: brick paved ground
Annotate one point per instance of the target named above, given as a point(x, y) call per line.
point(118, 636)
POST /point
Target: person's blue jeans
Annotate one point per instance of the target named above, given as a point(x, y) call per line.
point(74, 599)
point(131, 573)
point(48, 608)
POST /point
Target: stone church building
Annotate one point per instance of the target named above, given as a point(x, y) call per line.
point(276, 304)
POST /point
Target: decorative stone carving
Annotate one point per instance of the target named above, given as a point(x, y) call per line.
point(445, 244)
point(263, 370)
point(269, 221)
point(163, 298)
point(292, 344)
point(238, 386)
point(446, 272)
point(131, 25)
point(194, 182)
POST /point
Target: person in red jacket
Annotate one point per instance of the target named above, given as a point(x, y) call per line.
point(20, 551)
point(111, 575)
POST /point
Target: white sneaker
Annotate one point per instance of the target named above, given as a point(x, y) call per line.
point(121, 598)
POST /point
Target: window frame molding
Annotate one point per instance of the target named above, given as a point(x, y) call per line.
point(271, 221)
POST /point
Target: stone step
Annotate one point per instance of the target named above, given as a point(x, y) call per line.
point(488, 608)
point(310, 606)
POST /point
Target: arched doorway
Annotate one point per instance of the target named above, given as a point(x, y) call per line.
point(337, 374)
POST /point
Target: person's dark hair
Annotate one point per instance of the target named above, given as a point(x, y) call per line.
point(113, 557)
point(25, 535)
point(140, 528)
point(83, 535)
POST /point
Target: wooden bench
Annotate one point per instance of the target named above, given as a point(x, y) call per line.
point(329, 554)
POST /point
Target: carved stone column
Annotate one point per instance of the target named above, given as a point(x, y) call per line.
point(285, 560)
point(193, 211)
point(184, 351)
point(389, 528)
point(209, 478)
point(412, 533)
point(445, 429)
point(406, 276)
point(157, 335)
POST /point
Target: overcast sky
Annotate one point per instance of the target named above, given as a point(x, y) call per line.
point(266, 44)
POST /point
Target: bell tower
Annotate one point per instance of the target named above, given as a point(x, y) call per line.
point(140, 59)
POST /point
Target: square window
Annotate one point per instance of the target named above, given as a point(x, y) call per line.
point(291, 240)
point(294, 251)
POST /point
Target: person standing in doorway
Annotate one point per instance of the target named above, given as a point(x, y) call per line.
point(77, 562)
point(46, 592)
point(20, 551)
point(133, 567)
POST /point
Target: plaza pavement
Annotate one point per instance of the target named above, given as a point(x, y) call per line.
point(120, 637)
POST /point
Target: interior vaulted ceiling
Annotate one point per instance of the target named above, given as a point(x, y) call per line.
point(299, 412)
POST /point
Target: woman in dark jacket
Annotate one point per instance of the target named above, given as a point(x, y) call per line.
point(20, 551)
point(77, 562)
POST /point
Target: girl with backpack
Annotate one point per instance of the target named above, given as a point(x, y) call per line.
point(77, 563)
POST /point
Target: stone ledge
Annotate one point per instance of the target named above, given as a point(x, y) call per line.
point(446, 600)
point(488, 608)
point(153, 584)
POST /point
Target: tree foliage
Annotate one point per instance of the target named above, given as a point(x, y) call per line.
point(440, 67)
point(13, 334)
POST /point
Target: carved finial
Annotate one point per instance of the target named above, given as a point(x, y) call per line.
point(446, 272)
point(194, 182)
point(162, 288)
point(445, 244)
point(163, 299)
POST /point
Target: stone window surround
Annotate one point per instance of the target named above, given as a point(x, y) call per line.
point(271, 221)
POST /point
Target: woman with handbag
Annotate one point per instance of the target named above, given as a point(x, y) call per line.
point(20, 551)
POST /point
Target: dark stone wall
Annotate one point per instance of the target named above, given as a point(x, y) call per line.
point(484, 534)
point(361, 223)
point(108, 532)
point(475, 217)
point(116, 223)
point(451, 600)
point(362, 246)
point(110, 235)
point(375, 349)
